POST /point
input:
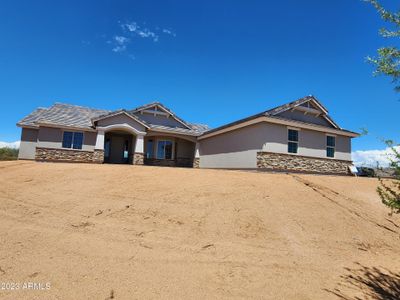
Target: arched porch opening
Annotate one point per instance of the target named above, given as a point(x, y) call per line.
point(119, 147)
point(122, 144)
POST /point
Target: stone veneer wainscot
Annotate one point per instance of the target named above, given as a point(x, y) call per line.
point(69, 155)
point(277, 161)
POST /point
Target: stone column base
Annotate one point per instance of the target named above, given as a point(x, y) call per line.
point(98, 156)
point(138, 158)
point(196, 162)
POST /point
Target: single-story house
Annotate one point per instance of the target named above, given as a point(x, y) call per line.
point(297, 136)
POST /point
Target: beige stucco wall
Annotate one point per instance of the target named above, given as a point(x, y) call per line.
point(238, 148)
point(185, 148)
point(27, 147)
point(49, 137)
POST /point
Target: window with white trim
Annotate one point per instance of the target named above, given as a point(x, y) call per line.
point(293, 141)
point(330, 145)
point(72, 139)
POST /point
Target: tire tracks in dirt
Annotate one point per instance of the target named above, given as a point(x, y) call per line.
point(325, 191)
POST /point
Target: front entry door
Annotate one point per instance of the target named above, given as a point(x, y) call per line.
point(119, 150)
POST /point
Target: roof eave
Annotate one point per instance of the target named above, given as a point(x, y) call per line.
point(270, 119)
point(175, 132)
point(27, 126)
point(53, 125)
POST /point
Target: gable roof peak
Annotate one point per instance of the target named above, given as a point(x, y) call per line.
point(295, 103)
point(164, 108)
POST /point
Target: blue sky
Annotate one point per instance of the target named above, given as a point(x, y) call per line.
point(210, 61)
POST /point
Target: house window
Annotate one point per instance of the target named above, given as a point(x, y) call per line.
point(149, 149)
point(293, 141)
point(330, 146)
point(164, 149)
point(72, 140)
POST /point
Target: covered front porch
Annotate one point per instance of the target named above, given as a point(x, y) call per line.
point(122, 145)
point(124, 139)
point(161, 149)
point(119, 147)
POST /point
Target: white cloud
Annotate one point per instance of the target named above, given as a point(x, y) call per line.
point(144, 32)
point(170, 32)
point(13, 145)
point(373, 157)
point(135, 29)
point(131, 30)
point(120, 42)
point(121, 39)
point(130, 26)
point(119, 48)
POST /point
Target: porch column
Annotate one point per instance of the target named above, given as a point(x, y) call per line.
point(98, 154)
point(138, 155)
point(196, 160)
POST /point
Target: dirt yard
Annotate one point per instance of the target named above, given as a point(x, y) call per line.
point(129, 232)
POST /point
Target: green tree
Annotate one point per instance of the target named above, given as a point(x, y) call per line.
point(388, 63)
point(388, 60)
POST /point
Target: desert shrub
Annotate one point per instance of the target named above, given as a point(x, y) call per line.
point(8, 153)
point(389, 191)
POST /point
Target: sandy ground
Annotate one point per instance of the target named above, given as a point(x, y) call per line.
point(129, 232)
